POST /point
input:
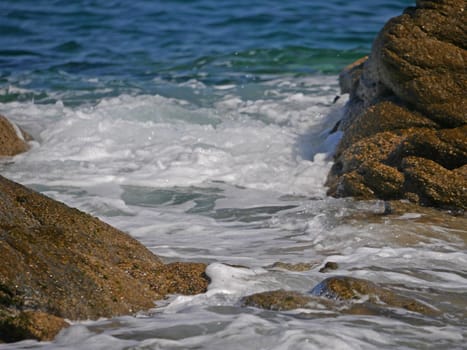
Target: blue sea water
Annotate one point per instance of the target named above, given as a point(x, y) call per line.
point(201, 128)
point(143, 46)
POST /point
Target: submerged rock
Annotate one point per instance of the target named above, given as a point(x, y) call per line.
point(329, 266)
point(349, 288)
point(13, 140)
point(405, 125)
point(58, 262)
point(279, 300)
point(359, 297)
point(298, 267)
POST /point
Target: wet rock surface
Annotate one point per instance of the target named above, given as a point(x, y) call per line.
point(342, 294)
point(58, 262)
point(405, 125)
point(329, 266)
point(349, 288)
point(13, 140)
point(303, 266)
point(30, 325)
point(279, 300)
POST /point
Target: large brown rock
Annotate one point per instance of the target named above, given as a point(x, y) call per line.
point(405, 125)
point(58, 262)
point(421, 57)
point(13, 140)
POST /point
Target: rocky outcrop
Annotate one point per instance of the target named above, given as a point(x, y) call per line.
point(13, 140)
point(59, 263)
point(405, 125)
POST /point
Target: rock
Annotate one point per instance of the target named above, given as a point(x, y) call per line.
point(30, 325)
point(431, 184)
point(58, 262)
point(385, 116)
point(405, 126)
point(181, 278)
point(349, 79)
point(349, 288)
point(341, 295)
point(446, 147)
point(329, 266)
point(279, 300)
point(361, 170)
point(420, 56)
point(349, 76)
point(13, 140)
point(298, 267)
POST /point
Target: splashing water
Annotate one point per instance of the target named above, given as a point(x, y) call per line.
point(217, 151)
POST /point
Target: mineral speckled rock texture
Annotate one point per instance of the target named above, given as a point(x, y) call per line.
point(12, 139)
point(59, 263)
point(404, 129)
point(347, 294)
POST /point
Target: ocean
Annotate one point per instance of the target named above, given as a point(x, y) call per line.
point(201, 128)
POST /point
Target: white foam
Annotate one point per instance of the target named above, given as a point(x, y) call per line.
point(232, 280)
point(237, 180)
point(156, 141)
point(410, 216)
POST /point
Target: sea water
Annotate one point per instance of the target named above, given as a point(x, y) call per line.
point(202, 128)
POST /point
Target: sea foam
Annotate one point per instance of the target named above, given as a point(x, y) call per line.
point(158, 142)
point(236, 180)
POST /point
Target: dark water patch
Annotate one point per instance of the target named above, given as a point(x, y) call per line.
point(14, 30)
point(249, 215)
point(82, 66)
point(68, 47)
point(202, 198)
point(18, 53)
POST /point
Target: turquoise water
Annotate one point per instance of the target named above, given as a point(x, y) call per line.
point(201, 128)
